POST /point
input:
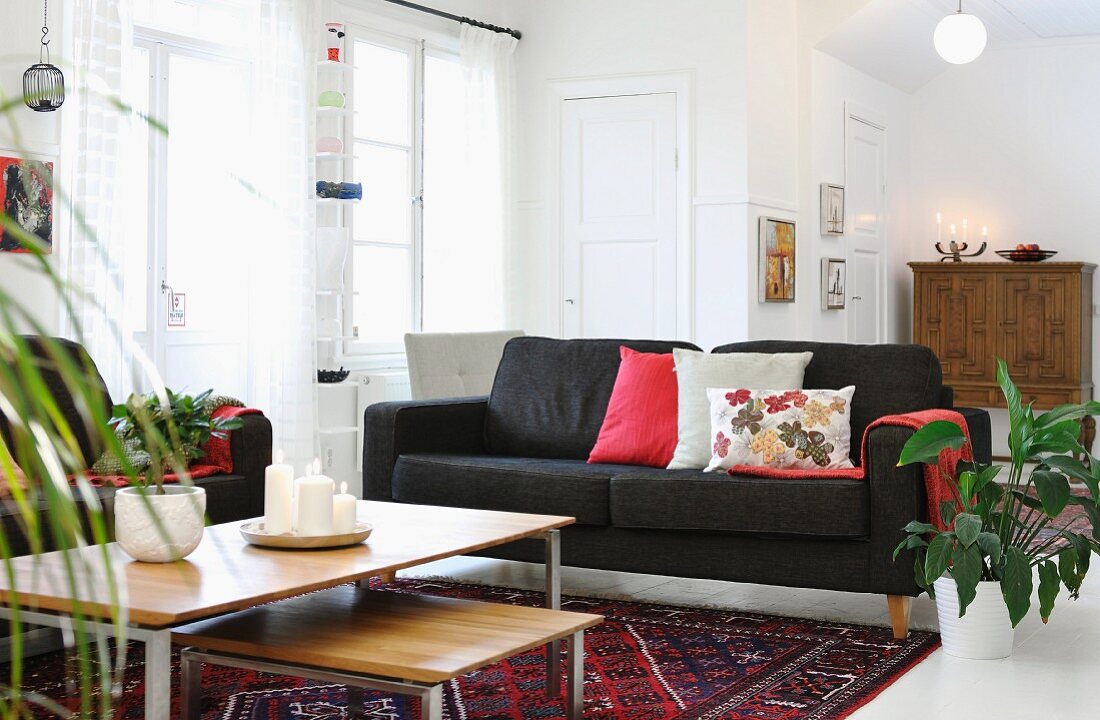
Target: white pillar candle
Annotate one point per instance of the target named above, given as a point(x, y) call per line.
point(278, 496)
point(939, 227)
point(314, 503)
point(343, 511)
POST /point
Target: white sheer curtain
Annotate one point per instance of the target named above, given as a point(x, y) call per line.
point(94, 127)
point(282, 277)
point(489, 75)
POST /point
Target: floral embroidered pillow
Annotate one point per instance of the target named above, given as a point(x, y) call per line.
point(787, 429)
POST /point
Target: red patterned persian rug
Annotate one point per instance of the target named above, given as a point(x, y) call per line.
point(645, 662)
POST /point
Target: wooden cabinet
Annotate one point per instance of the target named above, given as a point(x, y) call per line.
point(1036, 316)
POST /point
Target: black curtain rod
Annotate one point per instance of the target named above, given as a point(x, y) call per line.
point(469, 21)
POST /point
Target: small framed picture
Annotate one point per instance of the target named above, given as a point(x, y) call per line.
point(777, 247)
point(832, 209)
point(834, 278)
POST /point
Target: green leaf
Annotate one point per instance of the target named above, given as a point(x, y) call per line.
point(1077, 470)
point(1016, 413)
point(966, 569)
point(1053, 491)
point(918, 573)
point(910, 543)
point(929, 441)
point(948, 508)
point(1016, 585)
point(1028, 500)
point(1067, 570)
point(1049, 585)
point(916, 527)
point(938, 556)
point(967, 480)
point(1067, 412)
point(1091, 510)
point(990, 544)
point(967, 528)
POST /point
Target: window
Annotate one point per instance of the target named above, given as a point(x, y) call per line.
point(186, 224)
point(416, 263)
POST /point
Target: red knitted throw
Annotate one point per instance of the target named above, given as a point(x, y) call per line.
point(935, 487)
point(217, 460)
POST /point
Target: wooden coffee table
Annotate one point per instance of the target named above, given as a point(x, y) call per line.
point(226, 574)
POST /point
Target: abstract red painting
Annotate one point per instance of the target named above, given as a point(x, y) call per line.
point(26, 190)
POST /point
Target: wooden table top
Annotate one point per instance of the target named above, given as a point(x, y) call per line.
point(384, 634)
point(225, 573)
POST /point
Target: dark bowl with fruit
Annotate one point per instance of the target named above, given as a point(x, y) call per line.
point(1027, 253)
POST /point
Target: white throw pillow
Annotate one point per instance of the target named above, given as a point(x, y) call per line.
point(783, 429)
point(696, 371)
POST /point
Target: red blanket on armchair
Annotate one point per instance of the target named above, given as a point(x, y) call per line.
point(217, 460)
point(935, 487)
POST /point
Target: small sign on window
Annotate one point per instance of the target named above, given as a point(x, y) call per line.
point(177, 310)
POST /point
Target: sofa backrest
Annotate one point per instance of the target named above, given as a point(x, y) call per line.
point(85, 435)
point(888, 378)
point(550, 396)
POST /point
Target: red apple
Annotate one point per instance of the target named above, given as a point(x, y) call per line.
point(1033, 246)
point(1021, 246)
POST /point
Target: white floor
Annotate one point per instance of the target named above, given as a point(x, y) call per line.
point(1049, 675)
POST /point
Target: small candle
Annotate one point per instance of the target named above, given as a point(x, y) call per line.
point(278, 496)
point(985, 232)
point(939, 227)
point(314, 503)
point(343, 511)
point(952, 231)
point(966, 228)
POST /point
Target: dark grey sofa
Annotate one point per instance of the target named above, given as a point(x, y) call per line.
point(524, 449)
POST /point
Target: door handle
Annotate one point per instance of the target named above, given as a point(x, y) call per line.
point(165, 287)
point(856, 297)
point(569, 300)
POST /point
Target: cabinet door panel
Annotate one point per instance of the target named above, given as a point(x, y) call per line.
point(1038, 326)
point(956, 310)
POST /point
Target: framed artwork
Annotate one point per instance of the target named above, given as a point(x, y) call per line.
point(834, 281)
point(26, 194)
point(832, 209)
point(777, 246)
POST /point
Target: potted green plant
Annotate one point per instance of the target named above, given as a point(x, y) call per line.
point(155, 522)
point(981, 569)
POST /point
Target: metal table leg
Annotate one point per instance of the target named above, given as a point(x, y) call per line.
point(431, 703)
point(553, 602)
point(574, 693)
point(190, 686)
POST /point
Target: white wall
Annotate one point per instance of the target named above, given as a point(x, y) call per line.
point(568, 39)
point(23, 129)
point(834, 84)
point(1011, 141)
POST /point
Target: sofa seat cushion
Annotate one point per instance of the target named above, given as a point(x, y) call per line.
point(709, 502)
point(511, 484)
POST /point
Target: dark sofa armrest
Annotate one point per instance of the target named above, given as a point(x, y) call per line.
point(392, 428)
point(897, 497)
point(981, 433)
point(250, 447)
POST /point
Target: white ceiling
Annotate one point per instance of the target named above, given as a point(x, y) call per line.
point(892, 39)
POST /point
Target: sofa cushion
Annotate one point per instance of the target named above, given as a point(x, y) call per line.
point(709, 502)
point(888, 378)
point(550, 396)
point(511, 484)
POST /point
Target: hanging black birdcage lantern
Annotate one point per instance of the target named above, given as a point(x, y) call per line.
point(43, 83)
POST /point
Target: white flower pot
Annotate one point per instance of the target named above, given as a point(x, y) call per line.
point(172, 533)
point(985, 632)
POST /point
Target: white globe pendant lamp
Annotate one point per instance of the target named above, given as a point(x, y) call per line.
point(960, 38)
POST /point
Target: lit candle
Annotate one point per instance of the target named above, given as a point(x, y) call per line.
point(952, 231)
point(985, 232)
point(939, 227)
point(343, 511)
point(278, 496)
point(314, 503)
point(966, 232)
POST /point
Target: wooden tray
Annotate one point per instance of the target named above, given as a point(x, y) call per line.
point(253, 532)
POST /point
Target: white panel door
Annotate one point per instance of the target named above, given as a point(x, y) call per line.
point(866, 201)
point(619, 216)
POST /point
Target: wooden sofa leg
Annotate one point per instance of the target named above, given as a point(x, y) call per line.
point(388, 577)
point(899, 614)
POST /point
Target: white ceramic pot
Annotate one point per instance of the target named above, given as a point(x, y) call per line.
point(985, 632)
point(172, 533)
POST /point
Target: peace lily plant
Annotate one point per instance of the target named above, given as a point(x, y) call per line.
point(999, 534)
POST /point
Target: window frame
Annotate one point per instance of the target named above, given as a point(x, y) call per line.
point(420, 43)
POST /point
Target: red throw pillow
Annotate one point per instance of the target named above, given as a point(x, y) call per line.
point(640, 425)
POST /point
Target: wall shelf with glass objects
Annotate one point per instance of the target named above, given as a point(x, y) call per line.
point(336, 430)
point(336, 293)
point(337, 338)
point(327, 201)
point(333, 65)
point(326, 110)
point(334, 156)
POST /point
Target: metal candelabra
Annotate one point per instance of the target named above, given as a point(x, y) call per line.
point(957, 251)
